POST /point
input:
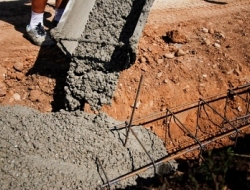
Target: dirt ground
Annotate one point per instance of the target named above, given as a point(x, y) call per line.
point(197, 49)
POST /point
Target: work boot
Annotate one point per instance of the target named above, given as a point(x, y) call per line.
point(39, 36)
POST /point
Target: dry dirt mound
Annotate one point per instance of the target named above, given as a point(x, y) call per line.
point(68, 150)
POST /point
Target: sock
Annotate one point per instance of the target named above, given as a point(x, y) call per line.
point(35, 19)
point(58, 14)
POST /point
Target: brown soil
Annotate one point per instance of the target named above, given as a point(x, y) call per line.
point(184, 54)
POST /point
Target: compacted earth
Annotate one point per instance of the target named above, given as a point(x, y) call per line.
point(188, 50)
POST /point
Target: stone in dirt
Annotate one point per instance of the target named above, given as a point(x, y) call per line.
point(169, 55)
point(2, 89)
point(175, 36)
point(18, 66)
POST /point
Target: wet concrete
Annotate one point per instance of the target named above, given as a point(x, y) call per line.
point(68, 150)
point(106, 46)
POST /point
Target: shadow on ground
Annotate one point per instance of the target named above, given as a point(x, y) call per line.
point(50, 62)
point(216, 2)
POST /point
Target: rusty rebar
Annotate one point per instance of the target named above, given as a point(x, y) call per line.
point(106, 176)
point(133, 111)
point(173, 156)
point(186, 130)
point(152, 160)
point(238, 124)
point(224, 118)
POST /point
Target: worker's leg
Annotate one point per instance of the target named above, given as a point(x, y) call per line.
point(37, 12)
point(59, 9)
point(38, 6)
point(35, 29)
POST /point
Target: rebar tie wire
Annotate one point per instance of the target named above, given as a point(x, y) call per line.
point(224, 118)
point(185, 129)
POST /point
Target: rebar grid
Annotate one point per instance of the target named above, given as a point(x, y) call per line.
point(227, 123)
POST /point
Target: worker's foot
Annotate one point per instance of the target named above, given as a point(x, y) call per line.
point(39, 36)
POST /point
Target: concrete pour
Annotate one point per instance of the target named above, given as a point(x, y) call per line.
point(60, 150)
point(106, 46)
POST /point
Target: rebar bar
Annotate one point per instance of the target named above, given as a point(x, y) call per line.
point(133, 111)
point(152, 160)
point(106, 176)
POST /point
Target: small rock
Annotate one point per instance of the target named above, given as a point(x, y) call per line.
point(217, 45)
point(16, 97)
point(159, 75)
point(239, 109)
point(165, 81)
point(205, 30)
point(211, 31)
point(19, 76)
point(214, 66)
point(180, 52)
point(35, 95)
point(142, 59)
point(31, 87)
point(160, 61)
point(18, 66)
point(207, 41)
point(169, 55)
point(217, 41)
point(222, 35)
point(2, 89)
point(176, 37)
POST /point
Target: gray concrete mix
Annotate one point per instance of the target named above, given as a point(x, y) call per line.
point(60, 150)
point(106, 46)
